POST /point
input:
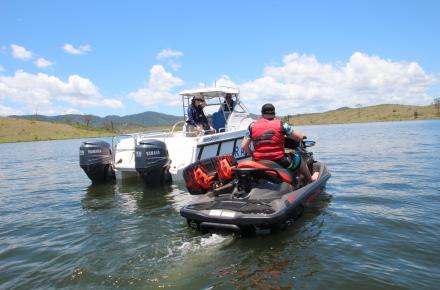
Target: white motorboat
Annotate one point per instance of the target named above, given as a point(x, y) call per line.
point(159, 156)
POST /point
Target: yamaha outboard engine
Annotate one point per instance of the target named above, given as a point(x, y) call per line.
point(95, 158)
point(152, 162)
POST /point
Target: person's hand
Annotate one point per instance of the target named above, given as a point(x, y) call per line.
point(297, 136)
point(199, 130)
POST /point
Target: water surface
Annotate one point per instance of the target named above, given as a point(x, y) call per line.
point(376, 227)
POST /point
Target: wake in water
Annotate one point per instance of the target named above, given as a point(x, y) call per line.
point(199, 244)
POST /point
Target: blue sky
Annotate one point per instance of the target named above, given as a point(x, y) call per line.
point(126, 57)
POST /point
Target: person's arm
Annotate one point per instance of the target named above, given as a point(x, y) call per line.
point(204, 121)
point(245, 146)
point(191, 120)
point(247, 141)
point(295, 135)
point(204, 118)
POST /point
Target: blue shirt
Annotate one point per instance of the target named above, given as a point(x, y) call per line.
point(196, 116)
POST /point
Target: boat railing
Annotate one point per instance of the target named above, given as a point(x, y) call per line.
point(139, 136)
point(175, 125)
point(195, 133)
point(158, 133)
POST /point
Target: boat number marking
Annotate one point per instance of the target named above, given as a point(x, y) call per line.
point(239, 152)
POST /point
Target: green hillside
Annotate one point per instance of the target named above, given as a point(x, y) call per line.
point(379, 113)
point(17, 130)
point(145, 119)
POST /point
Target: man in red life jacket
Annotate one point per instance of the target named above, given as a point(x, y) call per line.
point(267, 135)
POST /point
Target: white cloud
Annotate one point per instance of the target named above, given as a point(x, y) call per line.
point(175, 65)
point(2, 69)
point(158, 90)
point(303, 84)
point(170, 56)
point(43, 63)
point(225, 81)
point(7, 111)
point(20, 52)
point(169, 53)
point(56, 110)
point(82, 49)
point(32, 90)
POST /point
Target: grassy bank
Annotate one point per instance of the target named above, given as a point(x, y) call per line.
point(21, 130)
point(18, 130)
point(379, 113)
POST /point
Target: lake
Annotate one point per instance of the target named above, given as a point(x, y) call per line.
point(377, 225)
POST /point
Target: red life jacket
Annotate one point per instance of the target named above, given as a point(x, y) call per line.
point(268, 139)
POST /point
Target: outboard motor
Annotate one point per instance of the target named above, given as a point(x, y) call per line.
point(152, 162)
point(95, 158)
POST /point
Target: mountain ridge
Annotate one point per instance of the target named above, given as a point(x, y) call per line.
point(114, 122)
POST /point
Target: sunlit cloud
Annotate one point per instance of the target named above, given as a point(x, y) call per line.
point(167, 53)
point(303, 84)
point(158, 89)
point(43, 63)
point(82, 49)
point(19, 52)
point(170, 57)
point(32, 90)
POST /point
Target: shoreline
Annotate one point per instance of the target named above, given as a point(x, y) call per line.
point(91, 133)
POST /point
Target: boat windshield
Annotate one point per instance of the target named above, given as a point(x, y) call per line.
point(223, 108)
point(215, 104)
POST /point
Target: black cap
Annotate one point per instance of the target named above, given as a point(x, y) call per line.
point(268, 109)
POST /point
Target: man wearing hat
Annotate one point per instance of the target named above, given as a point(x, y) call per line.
point(267, 136)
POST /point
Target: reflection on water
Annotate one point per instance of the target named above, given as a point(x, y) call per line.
point(375, 227)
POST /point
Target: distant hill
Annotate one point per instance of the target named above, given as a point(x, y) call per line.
point(145, 119)
point(18, 130)
point(342, 109)
point(378, 113)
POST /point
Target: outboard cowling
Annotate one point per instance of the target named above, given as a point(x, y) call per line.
point(95, 158)
point(152, 162)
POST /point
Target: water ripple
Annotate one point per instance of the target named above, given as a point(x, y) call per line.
point(375, 227)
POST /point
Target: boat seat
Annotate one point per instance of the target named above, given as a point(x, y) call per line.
point(218, 121)
point(208, 173)
point(283, 173)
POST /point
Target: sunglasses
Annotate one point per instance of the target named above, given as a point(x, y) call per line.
point(200, 100)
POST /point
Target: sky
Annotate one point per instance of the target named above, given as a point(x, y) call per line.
point(127, 57)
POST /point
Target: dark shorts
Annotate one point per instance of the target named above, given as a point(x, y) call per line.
point(292, 164)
